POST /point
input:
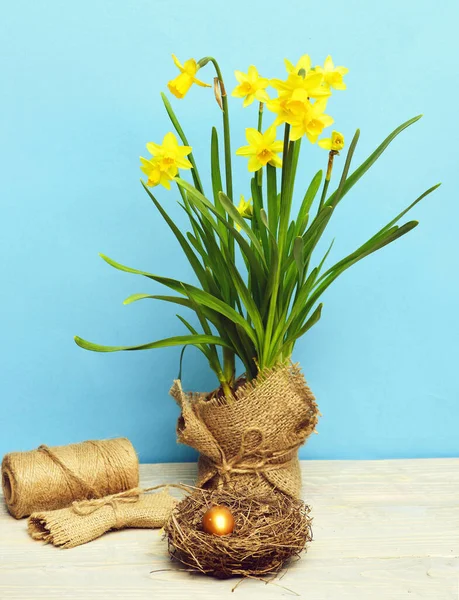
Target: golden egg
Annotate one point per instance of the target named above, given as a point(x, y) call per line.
point(218, 520)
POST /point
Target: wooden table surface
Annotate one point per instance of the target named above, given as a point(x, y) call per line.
point(382, 530)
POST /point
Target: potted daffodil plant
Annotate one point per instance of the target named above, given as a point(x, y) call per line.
point(259, 278)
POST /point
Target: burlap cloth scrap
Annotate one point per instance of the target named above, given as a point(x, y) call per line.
point(88, 519)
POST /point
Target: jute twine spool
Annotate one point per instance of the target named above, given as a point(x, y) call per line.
point(53, 478)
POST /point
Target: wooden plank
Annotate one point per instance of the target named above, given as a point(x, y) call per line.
point(382, 529)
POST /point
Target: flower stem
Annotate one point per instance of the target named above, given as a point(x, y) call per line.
point(331, 156)
point(283, 224)
point(226, 127)
point(229, 359)
point(260, 116)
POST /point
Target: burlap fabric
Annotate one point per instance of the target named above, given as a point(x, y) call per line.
point(52, 478)
point(89, 519)
point(253, 441)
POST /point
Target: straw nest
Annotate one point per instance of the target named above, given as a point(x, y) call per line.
point(269, 529)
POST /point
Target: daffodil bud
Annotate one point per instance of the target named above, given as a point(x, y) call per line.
point(218, 87)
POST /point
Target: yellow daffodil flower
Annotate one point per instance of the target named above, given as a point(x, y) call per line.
point(290, 106)
point(304, 64)
point(310, 83)
point(167, 159)
point(262, 149)
point(311, 122)
point(335, 142)
point(155, 175)
point(245, 208)
point(332, 76)
point(251, 86)
point(182, 83)
point(170, 155)
point(280, 107)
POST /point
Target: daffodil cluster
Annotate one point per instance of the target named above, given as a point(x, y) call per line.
point(302, 97)
point(301, 103)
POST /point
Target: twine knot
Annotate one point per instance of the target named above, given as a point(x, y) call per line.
point(256, 461)
point(85, 508)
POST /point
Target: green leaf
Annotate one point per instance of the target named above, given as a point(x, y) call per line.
point(257, 222)
point(182, 136)
point(205, 207)
point(191, 256)
point(356, 256)
point(181, 340)
point(358, 173)
point(217, 185)
point(136, 297)
point(347, 164)
point(273, 211)
point(313, 319)
point(201, 296)
point(298, 248)
point(234, 214)
point(387, 230)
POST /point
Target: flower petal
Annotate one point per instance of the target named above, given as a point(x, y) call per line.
point(248, 100)
point(254, 164)
point(153, 148)
point(275, 161)
point(245, 151)
point(170, 141)
point(177, 63)
point(200, 83)
point(252, 72)
point(240, 76)
point(328, 64)
point(326, 120)
point(326, 143)
point(277, 146)
point(262, 96)
point(253, 136)
point(269, 136)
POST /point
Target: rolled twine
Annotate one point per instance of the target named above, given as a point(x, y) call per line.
point(48, 479)
point(87, 520)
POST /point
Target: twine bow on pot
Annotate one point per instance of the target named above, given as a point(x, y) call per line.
point(256, 461)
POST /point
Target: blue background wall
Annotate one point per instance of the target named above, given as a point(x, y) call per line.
point(80, 97)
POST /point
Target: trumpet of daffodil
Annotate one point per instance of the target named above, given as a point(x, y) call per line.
point(335, 142)
point(262, 149)
point(311, 122)
point(182, 83)
point(332, 76)
point(245, 209)
point(251, 86)
point(168, 158)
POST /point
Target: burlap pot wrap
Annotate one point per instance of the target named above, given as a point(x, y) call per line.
point(89, 519)
point(253, 441)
